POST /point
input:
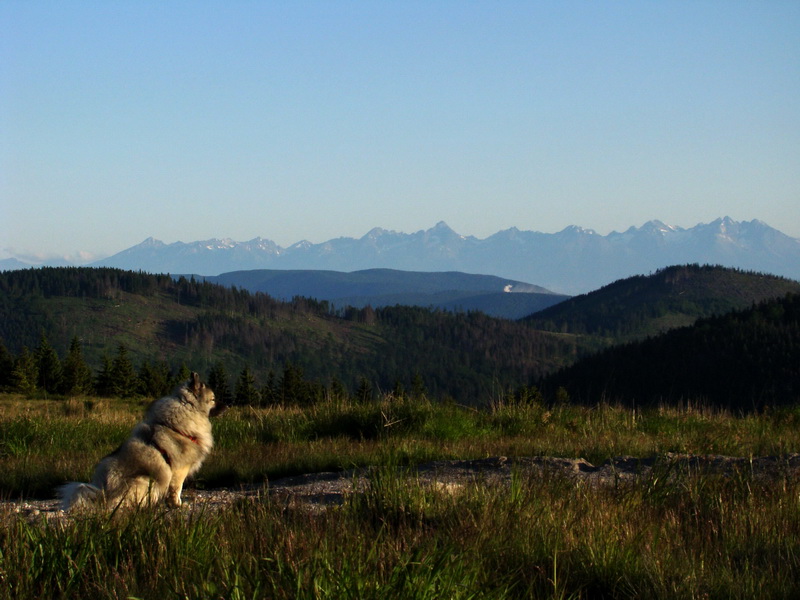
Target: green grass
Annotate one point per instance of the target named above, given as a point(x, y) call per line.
point(699, 537)
point(679, 533)
point(44, 443)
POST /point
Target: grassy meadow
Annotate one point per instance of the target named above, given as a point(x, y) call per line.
point(672, 535)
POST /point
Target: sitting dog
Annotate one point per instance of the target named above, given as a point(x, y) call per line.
point(167, 446)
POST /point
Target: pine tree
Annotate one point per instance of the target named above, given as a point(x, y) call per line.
point(153, 379)
point(25, 374)
point(291, 390)
point(48, 366)
point(364, 390)
point(6, 366)
point(76, 376)
point(181, 376)
point(123, 375)
point(336, 390)
point(104, 383)
point(246, 392)
point(269, 393)
point(218, 381)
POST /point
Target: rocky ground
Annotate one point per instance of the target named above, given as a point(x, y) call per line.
point(317, 491)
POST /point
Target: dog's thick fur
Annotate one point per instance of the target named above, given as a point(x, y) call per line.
point(167, 446)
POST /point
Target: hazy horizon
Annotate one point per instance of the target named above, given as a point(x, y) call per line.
point(316, 120)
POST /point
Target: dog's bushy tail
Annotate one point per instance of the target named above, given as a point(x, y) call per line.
point(76, 495)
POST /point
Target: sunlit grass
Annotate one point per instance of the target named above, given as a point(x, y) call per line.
point(546, 537)
point(44, 443)
point(677, 533)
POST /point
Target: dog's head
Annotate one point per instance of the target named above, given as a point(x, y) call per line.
point(204, 395)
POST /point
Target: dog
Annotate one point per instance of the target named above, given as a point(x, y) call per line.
point(167, 446)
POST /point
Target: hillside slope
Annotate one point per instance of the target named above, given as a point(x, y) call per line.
point(743, 360)
point(645, 305)
point(465, 356)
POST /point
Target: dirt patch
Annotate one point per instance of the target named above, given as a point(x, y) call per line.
point(317, 491)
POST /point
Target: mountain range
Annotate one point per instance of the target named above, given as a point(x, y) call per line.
point(572, 261)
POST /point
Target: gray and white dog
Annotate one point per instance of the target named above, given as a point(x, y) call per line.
point(167, 446)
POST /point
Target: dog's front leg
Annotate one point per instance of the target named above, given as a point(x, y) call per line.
point(176, 486)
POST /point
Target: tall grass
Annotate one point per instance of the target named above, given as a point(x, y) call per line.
point(700, 536)
point(44, 443)
point(675, 534)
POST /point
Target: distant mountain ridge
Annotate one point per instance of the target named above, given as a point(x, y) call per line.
point(574, 260)
point(492, 295)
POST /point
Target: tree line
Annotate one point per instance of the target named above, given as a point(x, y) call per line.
point(465, 356)
point(40, 372)
point(260, 351)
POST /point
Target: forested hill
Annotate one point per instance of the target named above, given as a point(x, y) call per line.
point(744, 360)
point(645, 305)
point(159, 320)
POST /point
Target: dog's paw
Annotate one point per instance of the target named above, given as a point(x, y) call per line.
point(174, 501)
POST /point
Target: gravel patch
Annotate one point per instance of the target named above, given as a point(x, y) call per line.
point(318, 491)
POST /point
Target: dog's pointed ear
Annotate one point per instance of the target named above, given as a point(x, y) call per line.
point(195, 384)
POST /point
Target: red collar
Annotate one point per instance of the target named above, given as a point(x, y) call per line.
point(179, 432)
point(187, 436)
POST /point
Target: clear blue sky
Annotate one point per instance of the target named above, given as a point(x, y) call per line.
point(312, 120)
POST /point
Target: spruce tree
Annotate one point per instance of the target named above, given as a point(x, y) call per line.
point(292, 388)
point(336, 390)
point(153, 379)
point(76, 376)
point(181, 376)
point(104, 384)
point(246, 392)
point(364, 390)
point(218, 381)
point(6, 366)
point(123, 375)
point(48, 366)
point(269, 393)
point(25, 374)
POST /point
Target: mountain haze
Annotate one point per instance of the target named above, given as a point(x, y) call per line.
point(572, 261)
point(495, 296)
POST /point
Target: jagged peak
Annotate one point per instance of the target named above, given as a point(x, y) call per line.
point(721, 223)
point(260, 241)
point(577, 229)
point(214, 244)
point(151, 241)
point(441, 226)
point(657, 226)
point(511, 232)
point(375, 233)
